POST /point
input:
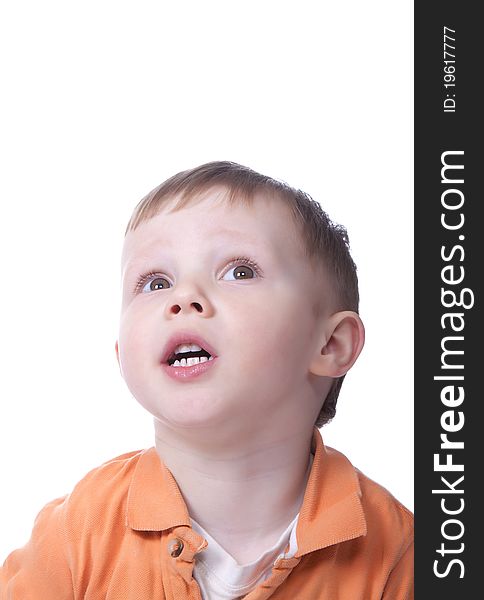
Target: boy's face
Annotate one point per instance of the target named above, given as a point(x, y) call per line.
point(263, 327)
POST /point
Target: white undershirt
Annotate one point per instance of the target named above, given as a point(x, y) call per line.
point(219, 575)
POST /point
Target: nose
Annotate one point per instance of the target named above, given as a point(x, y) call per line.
point(188, 299)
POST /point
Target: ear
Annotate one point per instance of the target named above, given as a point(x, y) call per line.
point(342, 340)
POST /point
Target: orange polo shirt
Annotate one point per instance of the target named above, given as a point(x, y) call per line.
point(124, 534)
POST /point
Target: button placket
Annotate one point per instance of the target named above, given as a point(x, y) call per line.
point(179, 549)
point(181, 546)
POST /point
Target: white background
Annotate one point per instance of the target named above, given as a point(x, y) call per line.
point(101, 101)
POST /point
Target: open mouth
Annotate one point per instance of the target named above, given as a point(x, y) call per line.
point(187, 355)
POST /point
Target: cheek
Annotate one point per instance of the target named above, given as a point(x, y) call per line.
point(273, 333)
point(134, 342)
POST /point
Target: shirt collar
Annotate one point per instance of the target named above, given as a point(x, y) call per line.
point(154, 501)
point(331, 511)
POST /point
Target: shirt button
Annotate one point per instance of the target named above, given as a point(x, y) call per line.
point(175, 547)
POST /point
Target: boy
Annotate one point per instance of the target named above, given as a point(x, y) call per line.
point(238, 324)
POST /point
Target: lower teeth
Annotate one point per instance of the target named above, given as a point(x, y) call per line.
point(188, 362)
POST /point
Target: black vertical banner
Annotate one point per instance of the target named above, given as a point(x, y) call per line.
point(449, 269)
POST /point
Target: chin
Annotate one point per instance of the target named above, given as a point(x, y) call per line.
point(189, 414)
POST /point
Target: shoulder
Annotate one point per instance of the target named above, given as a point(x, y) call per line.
point(110, 474)
point(377, 497)
point(385, 548)
point(385, 515)
point(390, 534)
point(381, 508)
point(117, 467)
point(61, 544)
point(388, 521)
point(102, 493)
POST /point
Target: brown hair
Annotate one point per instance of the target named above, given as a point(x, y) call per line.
point(325, 243)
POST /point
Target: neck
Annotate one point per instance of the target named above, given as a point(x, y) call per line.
point(244, 495)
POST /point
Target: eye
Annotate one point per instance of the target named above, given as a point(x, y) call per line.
point(242, 268)
point(151, 282)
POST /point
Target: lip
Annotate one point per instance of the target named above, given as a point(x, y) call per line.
point(187, 373)
point(186, 337)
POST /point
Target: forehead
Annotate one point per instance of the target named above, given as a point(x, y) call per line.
point(267, 223)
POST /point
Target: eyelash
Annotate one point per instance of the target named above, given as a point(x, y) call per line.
point(233, 263)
